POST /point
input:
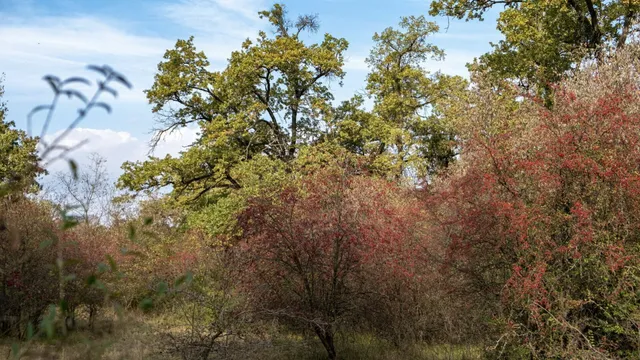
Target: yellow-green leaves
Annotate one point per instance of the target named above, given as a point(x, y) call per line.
point(544, 40)
point(253, 117)
point(416, 139)
point(18, 157)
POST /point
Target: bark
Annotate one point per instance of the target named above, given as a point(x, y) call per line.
point(325, 334)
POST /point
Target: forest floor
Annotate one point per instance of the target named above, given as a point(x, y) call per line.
point(140, 337)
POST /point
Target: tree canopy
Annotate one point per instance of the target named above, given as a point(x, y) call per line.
point(543, 40)
point(268, 102)
point(273, 99)
point(408, 98)
point(499, 212)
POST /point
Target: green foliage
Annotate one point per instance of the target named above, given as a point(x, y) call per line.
point(288, 207)
point(269, 100)
point(18, 158)
point(407, 127)
point(544, 40)
point(253, 116)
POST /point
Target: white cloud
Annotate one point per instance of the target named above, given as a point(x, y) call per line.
point(219, 26)
point(114, 146)
point(34, 45)
point(236, 18)
point(118, 147)
point(65, 45)
point(78, 37)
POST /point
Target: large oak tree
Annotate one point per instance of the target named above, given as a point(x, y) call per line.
point(267, 102)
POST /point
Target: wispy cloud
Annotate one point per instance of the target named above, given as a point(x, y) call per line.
point(222, 18)
point(76, 37)
point(64, 45)
point(219, 26)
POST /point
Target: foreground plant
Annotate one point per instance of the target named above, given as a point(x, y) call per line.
point(38, 284)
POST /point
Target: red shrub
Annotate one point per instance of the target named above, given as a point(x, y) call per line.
point(321, 250)
point(547, 215)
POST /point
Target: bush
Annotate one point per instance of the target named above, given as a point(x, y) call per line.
point(543, 214)
point(28, 279)
point(330, 250)
point(41, 264)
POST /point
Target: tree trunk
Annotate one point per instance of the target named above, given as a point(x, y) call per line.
point(92, 315)
point(326, 337)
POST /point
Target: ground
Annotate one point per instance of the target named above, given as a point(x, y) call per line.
point(141, 336)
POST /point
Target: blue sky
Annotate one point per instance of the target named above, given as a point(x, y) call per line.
point(60, 37)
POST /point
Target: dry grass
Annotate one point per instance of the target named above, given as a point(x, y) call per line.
point(139, 337)
point(110, 339)
point(362, 347)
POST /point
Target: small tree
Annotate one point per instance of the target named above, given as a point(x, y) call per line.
point(88, 192)
point(313, 252)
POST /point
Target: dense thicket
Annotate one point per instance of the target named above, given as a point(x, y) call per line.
point(500, 212)
point(542, 213)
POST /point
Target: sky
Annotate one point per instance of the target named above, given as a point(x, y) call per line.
point(61, 37)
